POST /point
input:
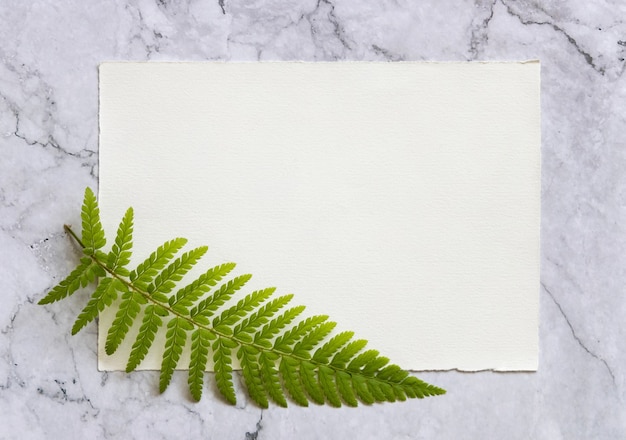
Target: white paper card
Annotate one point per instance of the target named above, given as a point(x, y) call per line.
point(402, 199)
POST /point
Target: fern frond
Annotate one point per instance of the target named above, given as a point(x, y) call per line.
point(121, 251)
point(93, 234)
point(200, 343)
point(291, 379)
point(146, 271)
point(248, 327)
point(231, 316)
point(375, 389)
point(102, 297)
point(269, 376)
point(223, 367)
point(280, 356)
point(189, 294)
point(124, 318)
point(175, 340)
point(348, 352)
point(70, 284)
point(92, 272)
point(374, 365)
point(166, 281)
point(309, 380)
point(362, 359)
point(265, 336)
point(327, 383)
point(344, 385)
point(149, 326)
point(322, 354)
point(310, 340)
point(207, 307)
point(285, 342)
point(359, 384)
point(251, 372)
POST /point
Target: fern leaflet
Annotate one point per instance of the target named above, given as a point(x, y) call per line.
point(93, 234)
point(120, 253)
point(151, 323)
point(102, 297)
point(175, 340)
point(223, 367)
point(146, 271)
point(124, 318)
point(271, 380)
point(281, 357)
point(200, 343)
point(71, 284)
point(189, 294)
point(251, 372)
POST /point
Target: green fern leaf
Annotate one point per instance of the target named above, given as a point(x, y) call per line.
point(146, 271)
point(248, 327)
point(387, 390)
point(322, 354)
point(208, 306)
point(291, 378)
point(200, 343)
point(327, 383)
point(70, 284)
point(231, 316)
point(175, 340)
point(93, 234)
point(374, 365)
point(149, 326)
point(91, 273)
point(415, 388)
point(310, 340)
point(392, 373)
point(362, 359)
point(374, 388)
point(348, 352)
point(165, 282)
point(223, 368)
point(344, 385)
point(121, 251)
point(309, 380)
point(103, 296)
point(285, 342)
point(399, 392)
point(189, 294)
point(264, 337)
point(359, 383)
point(305, 361)
point(269, 375)
point(251, 373)
point(124, 318)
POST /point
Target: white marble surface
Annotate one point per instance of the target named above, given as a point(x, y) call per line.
point(49, 385)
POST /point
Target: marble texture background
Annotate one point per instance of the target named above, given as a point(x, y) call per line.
point(49, 52)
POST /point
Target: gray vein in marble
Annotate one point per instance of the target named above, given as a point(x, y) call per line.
point(14, 377)
point(480, 30)
point(338, 29)
point(588, 58)
point(576, 337)
point(386, 53)
point(39, 130)
point(254, 435)
point(148, 38)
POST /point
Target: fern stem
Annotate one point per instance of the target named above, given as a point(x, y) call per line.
point(68, 229)
point(173, 312)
